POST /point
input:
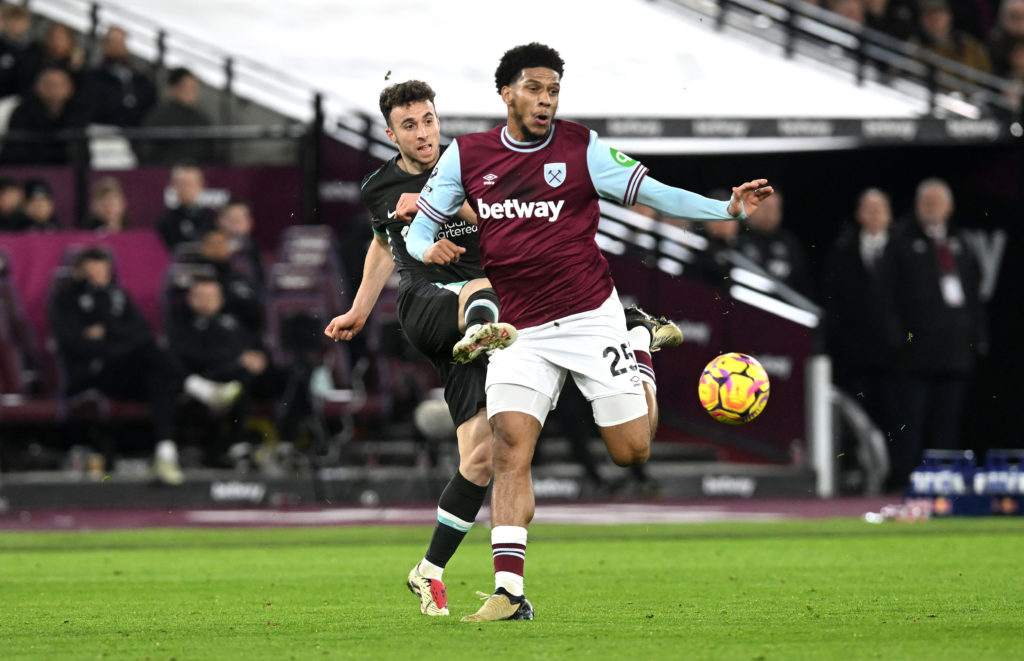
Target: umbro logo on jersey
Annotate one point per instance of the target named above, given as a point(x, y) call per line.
point(517, 209)
point(554, 174)
point(489, 179)
point(392, 214)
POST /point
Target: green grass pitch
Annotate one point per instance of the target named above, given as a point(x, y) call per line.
point(829, 589)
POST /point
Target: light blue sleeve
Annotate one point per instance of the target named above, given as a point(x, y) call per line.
point(615, 176)
point(440, 198)
point(681, 203)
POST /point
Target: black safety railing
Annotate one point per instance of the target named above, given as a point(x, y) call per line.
point(290, 109)
point(801, 28)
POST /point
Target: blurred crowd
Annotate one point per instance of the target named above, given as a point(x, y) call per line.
point(213, 348)
point(986, 35)
point(904, 317)
point(49, 84)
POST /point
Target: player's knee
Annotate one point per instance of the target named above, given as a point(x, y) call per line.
point(633, 451)
point(509, 451)
point(476, 467)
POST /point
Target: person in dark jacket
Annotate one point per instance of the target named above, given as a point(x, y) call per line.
point(48, 112)
point(861, 324)
point(242, 293)
point(236, 221)
point(181, 110)
point(38, 212)
point(210, 341)
point(185, 220)
point(12, 197)
point(107, 207)
point(118, 93)
point(774, 247)
point(936, 281)
point(21, 54)
point(105, 343)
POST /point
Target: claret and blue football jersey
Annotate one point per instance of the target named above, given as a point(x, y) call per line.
point(538, 210)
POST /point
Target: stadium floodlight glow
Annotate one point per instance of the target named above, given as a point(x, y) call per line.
point(774, 306)
point(615, 228)
point(757, 145)
point(753, 280)
point(350, 138)
point(685, 237)
point(645, 241)
point(676, 251)
point(382, 152)
point(627, 216)
point(670, 266)
point(611, 245)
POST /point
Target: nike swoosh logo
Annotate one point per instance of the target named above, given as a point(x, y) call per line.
point(392, 214)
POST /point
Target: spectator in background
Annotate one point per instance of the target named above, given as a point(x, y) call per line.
point(235, 220)
point(185, 220)
point(723, 238)
point(775, 248)
point(850, 9)
point(862, 331)
point(60, 50)
point(1005, 36)
point(118, 93)
point(107, 207)
point(936, 285)
point(894, 18)
point(12, 196)
point(241, 292)
point(106, 344)
point(938, 34)
point(39, 211)
point(20, 53)
point(179, 109)
point(210, 341)
point(1016, 76)
point(48, 111)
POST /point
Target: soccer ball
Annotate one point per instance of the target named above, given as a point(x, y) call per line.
point(734, 388)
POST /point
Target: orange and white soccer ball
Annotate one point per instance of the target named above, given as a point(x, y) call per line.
point(734, 388)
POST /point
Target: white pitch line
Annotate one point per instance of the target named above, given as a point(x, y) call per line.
point(571, 514)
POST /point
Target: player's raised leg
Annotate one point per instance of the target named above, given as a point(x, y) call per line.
point(478, 318)
point(628, 438)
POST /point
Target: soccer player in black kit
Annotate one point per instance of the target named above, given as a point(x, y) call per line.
point(449, 313)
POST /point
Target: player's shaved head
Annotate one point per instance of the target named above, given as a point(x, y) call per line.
point(402, 94)
point(527, 56)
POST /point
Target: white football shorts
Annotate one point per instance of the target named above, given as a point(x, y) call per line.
point(593, 346)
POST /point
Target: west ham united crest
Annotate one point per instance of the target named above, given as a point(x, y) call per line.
point(554, 174)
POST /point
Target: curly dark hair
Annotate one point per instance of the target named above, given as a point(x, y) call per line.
point(402, 94)
point(524, 57)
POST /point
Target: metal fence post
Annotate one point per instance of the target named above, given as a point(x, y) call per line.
point(311, 164)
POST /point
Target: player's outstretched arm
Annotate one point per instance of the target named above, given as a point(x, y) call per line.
point(682, 203)
point(376, 270)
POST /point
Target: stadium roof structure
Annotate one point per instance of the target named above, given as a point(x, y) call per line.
point(652, 74)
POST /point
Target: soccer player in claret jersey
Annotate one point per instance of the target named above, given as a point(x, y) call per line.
point(436, 305)
point(535, 184)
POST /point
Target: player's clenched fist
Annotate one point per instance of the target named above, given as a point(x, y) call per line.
point(442, 252)
point(345, 326)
